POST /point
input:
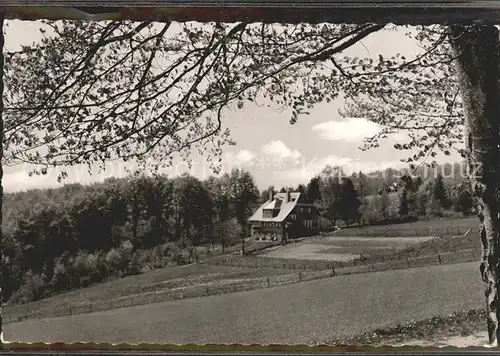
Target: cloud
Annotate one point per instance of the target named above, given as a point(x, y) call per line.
point(279, 151)
point(241, 157)
point(351, 130)
point(245, 156)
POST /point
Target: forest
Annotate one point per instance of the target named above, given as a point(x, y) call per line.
point(70, 237)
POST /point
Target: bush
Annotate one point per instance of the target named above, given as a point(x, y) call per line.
point(228, 232)
point(170, 249)
point(142, 262)
point(32, 289)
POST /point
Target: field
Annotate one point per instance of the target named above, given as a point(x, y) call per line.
point(337, 248)
point(306, 313)
point(438, 227)
point(311, 258)
point(346, 248)
point(140, 289)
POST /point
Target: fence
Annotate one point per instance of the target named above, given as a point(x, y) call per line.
point(44, 308)
point(379, 231)
point(411, 251)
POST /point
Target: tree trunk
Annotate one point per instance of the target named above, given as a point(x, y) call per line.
point(243, 241)
point(478, 71)
point(2, 41)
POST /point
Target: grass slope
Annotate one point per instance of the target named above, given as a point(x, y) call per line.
point(231, 273)
point(308, 313)
point(165, 279)
point(436, 227)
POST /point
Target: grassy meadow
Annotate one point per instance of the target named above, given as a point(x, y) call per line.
point(231, 272)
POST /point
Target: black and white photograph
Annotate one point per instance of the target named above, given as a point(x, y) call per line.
point(244, 182)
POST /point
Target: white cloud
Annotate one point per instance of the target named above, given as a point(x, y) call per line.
point(351, 130)
point(245, 156)
point(279, 151)
point(241, 157)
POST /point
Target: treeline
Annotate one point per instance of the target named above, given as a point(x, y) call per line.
point(387, 197)
point(61, 239)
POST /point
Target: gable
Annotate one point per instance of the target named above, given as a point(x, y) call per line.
point(279, 202)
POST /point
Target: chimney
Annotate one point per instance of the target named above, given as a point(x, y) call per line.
point(271, 194)
point(288, 196)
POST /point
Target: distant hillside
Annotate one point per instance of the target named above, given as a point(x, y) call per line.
point(453, 174)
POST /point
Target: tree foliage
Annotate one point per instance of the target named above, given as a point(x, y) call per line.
point(348, 202)
point(65, 238)
point(464, 203)
point(439, 192)
point(418, 96)
point(96, 91)
point(313, 192)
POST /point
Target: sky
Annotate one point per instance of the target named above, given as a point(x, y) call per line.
point(274, 151)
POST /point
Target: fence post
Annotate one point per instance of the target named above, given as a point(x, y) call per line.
point(300, 276)
point(268, 284)
point(439, 258)
point(408, 261)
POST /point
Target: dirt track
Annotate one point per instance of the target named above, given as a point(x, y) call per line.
point(302, 313)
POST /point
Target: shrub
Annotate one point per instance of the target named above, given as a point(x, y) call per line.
point(32, 289)
point(228, 232)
